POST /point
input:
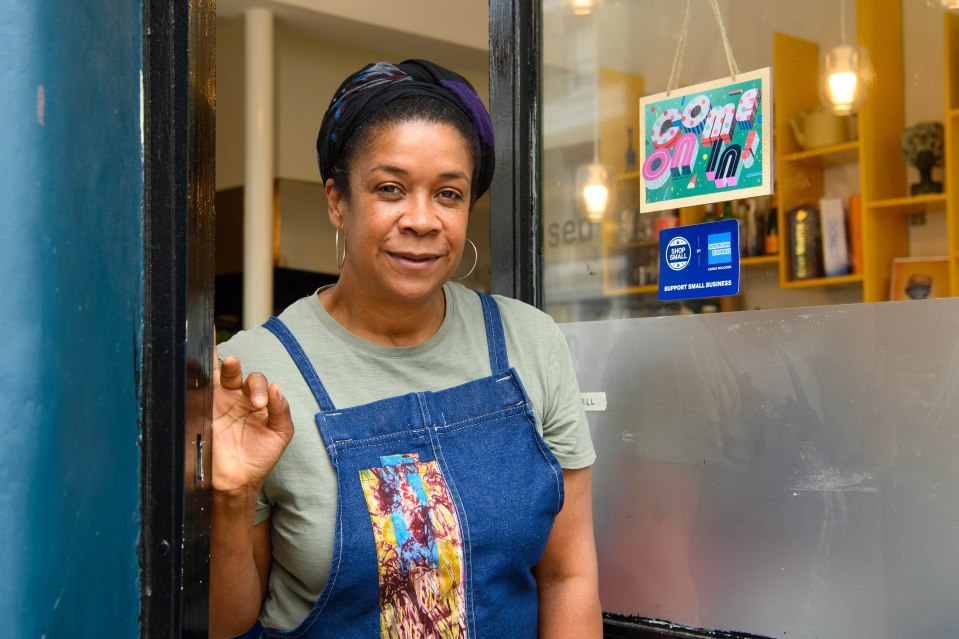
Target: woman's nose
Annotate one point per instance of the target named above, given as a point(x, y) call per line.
point(419, 215)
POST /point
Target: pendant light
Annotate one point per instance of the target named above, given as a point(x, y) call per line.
point(593, 183)
point(843, 71)
point(585, 7)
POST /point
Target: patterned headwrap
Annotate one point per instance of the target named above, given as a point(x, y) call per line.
point(377, 84)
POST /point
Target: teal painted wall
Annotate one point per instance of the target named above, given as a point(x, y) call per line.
point(71, 271)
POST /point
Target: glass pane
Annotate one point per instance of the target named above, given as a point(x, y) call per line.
point(789, 473)
point(898, 233)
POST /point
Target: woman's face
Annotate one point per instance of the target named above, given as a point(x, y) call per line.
point(405, 218)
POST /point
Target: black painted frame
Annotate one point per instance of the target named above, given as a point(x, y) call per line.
point(516, 249)
point(179, 98)
point(516, 245)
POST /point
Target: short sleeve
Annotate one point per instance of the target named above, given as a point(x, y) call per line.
point(565, 428)
point(263, 508)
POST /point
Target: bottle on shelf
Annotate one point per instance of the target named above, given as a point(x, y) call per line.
point(664, 220)
point(710, 214)
point(630, 151)
point(753, 231)
point(727, 211)
point(772, 232)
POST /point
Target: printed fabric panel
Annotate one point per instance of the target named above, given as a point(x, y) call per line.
point(419, 547)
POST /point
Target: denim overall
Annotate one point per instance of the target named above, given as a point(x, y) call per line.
point(445, 503)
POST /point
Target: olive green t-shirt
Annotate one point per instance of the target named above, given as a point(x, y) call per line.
point(299, 495)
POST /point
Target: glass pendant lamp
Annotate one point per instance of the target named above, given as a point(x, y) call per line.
point(593, 187)
point(843, 71)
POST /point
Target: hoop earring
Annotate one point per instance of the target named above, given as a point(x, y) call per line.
point(475, 260)
point(340, 260)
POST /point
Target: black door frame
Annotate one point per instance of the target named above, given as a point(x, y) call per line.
point(516, 215)
point(516, 250)
point(179, 96)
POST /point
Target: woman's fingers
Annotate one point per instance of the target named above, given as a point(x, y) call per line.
point(278, 411)
point(231, 373)
point(255, 387)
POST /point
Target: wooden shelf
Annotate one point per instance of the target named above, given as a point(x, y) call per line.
point(847, 152)
point(839, 280)
point(761, 260)
point(634, 290)
point(912, 204)
point(624, 177)
point(625, 246)
point(954, 113)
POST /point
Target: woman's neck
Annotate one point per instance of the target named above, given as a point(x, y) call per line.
point(382, 321)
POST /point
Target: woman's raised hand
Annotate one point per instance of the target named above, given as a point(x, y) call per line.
point(251, 427)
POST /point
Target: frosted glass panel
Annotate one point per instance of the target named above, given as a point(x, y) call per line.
point(791, 473)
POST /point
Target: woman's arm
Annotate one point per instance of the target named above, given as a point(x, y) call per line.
point(567, 575)
point(251, 429)
point(240, 555)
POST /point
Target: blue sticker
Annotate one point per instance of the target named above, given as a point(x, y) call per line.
point(700, 260)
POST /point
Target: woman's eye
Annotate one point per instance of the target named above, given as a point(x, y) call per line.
point(389, 189)
point(450, 194)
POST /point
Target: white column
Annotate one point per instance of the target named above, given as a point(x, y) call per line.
point(258, 183)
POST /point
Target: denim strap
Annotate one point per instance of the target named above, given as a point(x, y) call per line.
point(282, 332)
point(495, 338)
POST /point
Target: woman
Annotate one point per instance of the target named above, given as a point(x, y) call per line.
point(437, 431)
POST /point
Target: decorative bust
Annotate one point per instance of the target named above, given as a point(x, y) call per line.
point(922, 146)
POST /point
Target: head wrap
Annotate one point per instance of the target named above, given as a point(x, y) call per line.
point(377, 84)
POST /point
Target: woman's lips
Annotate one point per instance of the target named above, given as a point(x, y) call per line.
point(413, 261)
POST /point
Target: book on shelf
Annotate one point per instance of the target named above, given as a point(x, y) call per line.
point(805, 242)
point(835, 250)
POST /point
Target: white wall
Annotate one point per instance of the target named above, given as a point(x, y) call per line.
point(230, 111)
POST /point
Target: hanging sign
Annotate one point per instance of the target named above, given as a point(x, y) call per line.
point(699, 260)
point(706, 143)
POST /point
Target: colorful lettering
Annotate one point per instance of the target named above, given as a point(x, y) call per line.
point(695, 113)
point(665, 129)
point(748, 108)
point(750, 149)
point(656, 169)
point(713, 161)
point(719, 124)
point(727, 172)
point(684, 155)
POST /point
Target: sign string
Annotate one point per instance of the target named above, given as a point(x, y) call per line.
point(681, 46)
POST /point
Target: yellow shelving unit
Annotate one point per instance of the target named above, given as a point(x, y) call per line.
point(910, 204)
point(951, 49)
point(614, 122)
point(879, 127)
point(832, 154)
point(762, 260)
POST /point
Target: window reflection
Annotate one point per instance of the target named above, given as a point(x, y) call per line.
point(828, 167)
